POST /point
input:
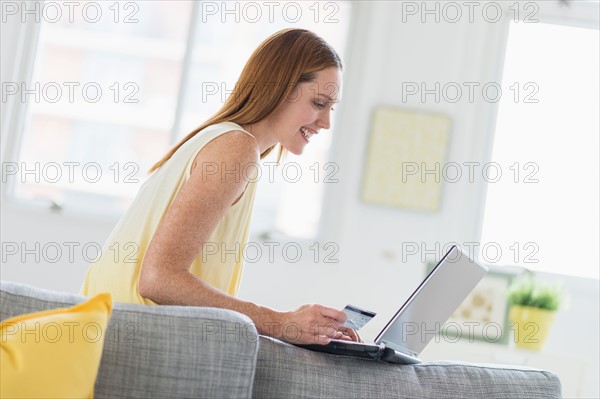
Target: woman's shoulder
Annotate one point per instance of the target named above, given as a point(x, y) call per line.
point(226, 143)
point(233, 144)
point(225, 131)
point(234, 136)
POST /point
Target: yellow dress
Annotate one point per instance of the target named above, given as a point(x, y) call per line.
point(118, 268)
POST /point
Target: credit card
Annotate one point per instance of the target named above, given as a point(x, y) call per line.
point(357, 317)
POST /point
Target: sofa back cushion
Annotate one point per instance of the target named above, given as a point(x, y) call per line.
point(159, 351)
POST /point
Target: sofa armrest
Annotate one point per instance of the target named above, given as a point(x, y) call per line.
point(287, 371)
point(160, 351)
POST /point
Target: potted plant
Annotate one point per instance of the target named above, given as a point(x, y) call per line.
point(533, 303)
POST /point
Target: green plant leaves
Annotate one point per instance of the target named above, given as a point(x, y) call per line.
point(535, 293)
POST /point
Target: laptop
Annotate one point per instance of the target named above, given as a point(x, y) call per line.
point(419, 319)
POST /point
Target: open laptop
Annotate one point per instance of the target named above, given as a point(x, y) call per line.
point(422, 315)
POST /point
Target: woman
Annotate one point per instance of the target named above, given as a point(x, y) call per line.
point(200, 194)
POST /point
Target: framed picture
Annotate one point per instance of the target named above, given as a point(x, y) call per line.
point(483, 315)
point(403, 144)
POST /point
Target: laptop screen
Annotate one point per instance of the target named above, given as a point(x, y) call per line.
point(432, 303)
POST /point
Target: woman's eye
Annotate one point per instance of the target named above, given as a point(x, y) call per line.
point(319, 105)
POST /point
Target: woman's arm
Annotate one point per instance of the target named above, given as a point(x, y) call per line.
point(201, 203)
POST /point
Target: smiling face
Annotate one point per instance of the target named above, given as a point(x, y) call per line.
point(307, 110)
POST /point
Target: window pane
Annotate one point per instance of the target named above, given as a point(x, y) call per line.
point(103, 100)
point(550, 225)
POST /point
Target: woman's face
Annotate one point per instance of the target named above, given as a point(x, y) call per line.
point(307, 110)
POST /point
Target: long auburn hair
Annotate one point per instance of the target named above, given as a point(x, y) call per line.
point(284, 60)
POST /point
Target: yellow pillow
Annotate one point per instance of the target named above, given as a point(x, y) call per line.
point(55, 353)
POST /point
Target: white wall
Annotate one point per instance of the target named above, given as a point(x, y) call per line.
point(372, 272)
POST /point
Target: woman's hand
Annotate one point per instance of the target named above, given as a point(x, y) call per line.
point(348, 334)
point(314, 324)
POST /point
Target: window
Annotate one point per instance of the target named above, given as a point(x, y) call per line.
point(113, 93)
point(543, 212)
point(101, 102)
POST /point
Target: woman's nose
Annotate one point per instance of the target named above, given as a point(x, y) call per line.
point(324, 120)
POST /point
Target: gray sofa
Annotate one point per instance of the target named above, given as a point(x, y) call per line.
point(192, 352)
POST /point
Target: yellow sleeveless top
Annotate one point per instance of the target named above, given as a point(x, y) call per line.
point(118, 267)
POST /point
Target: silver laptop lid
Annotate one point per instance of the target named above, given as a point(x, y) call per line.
point(432, 303)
